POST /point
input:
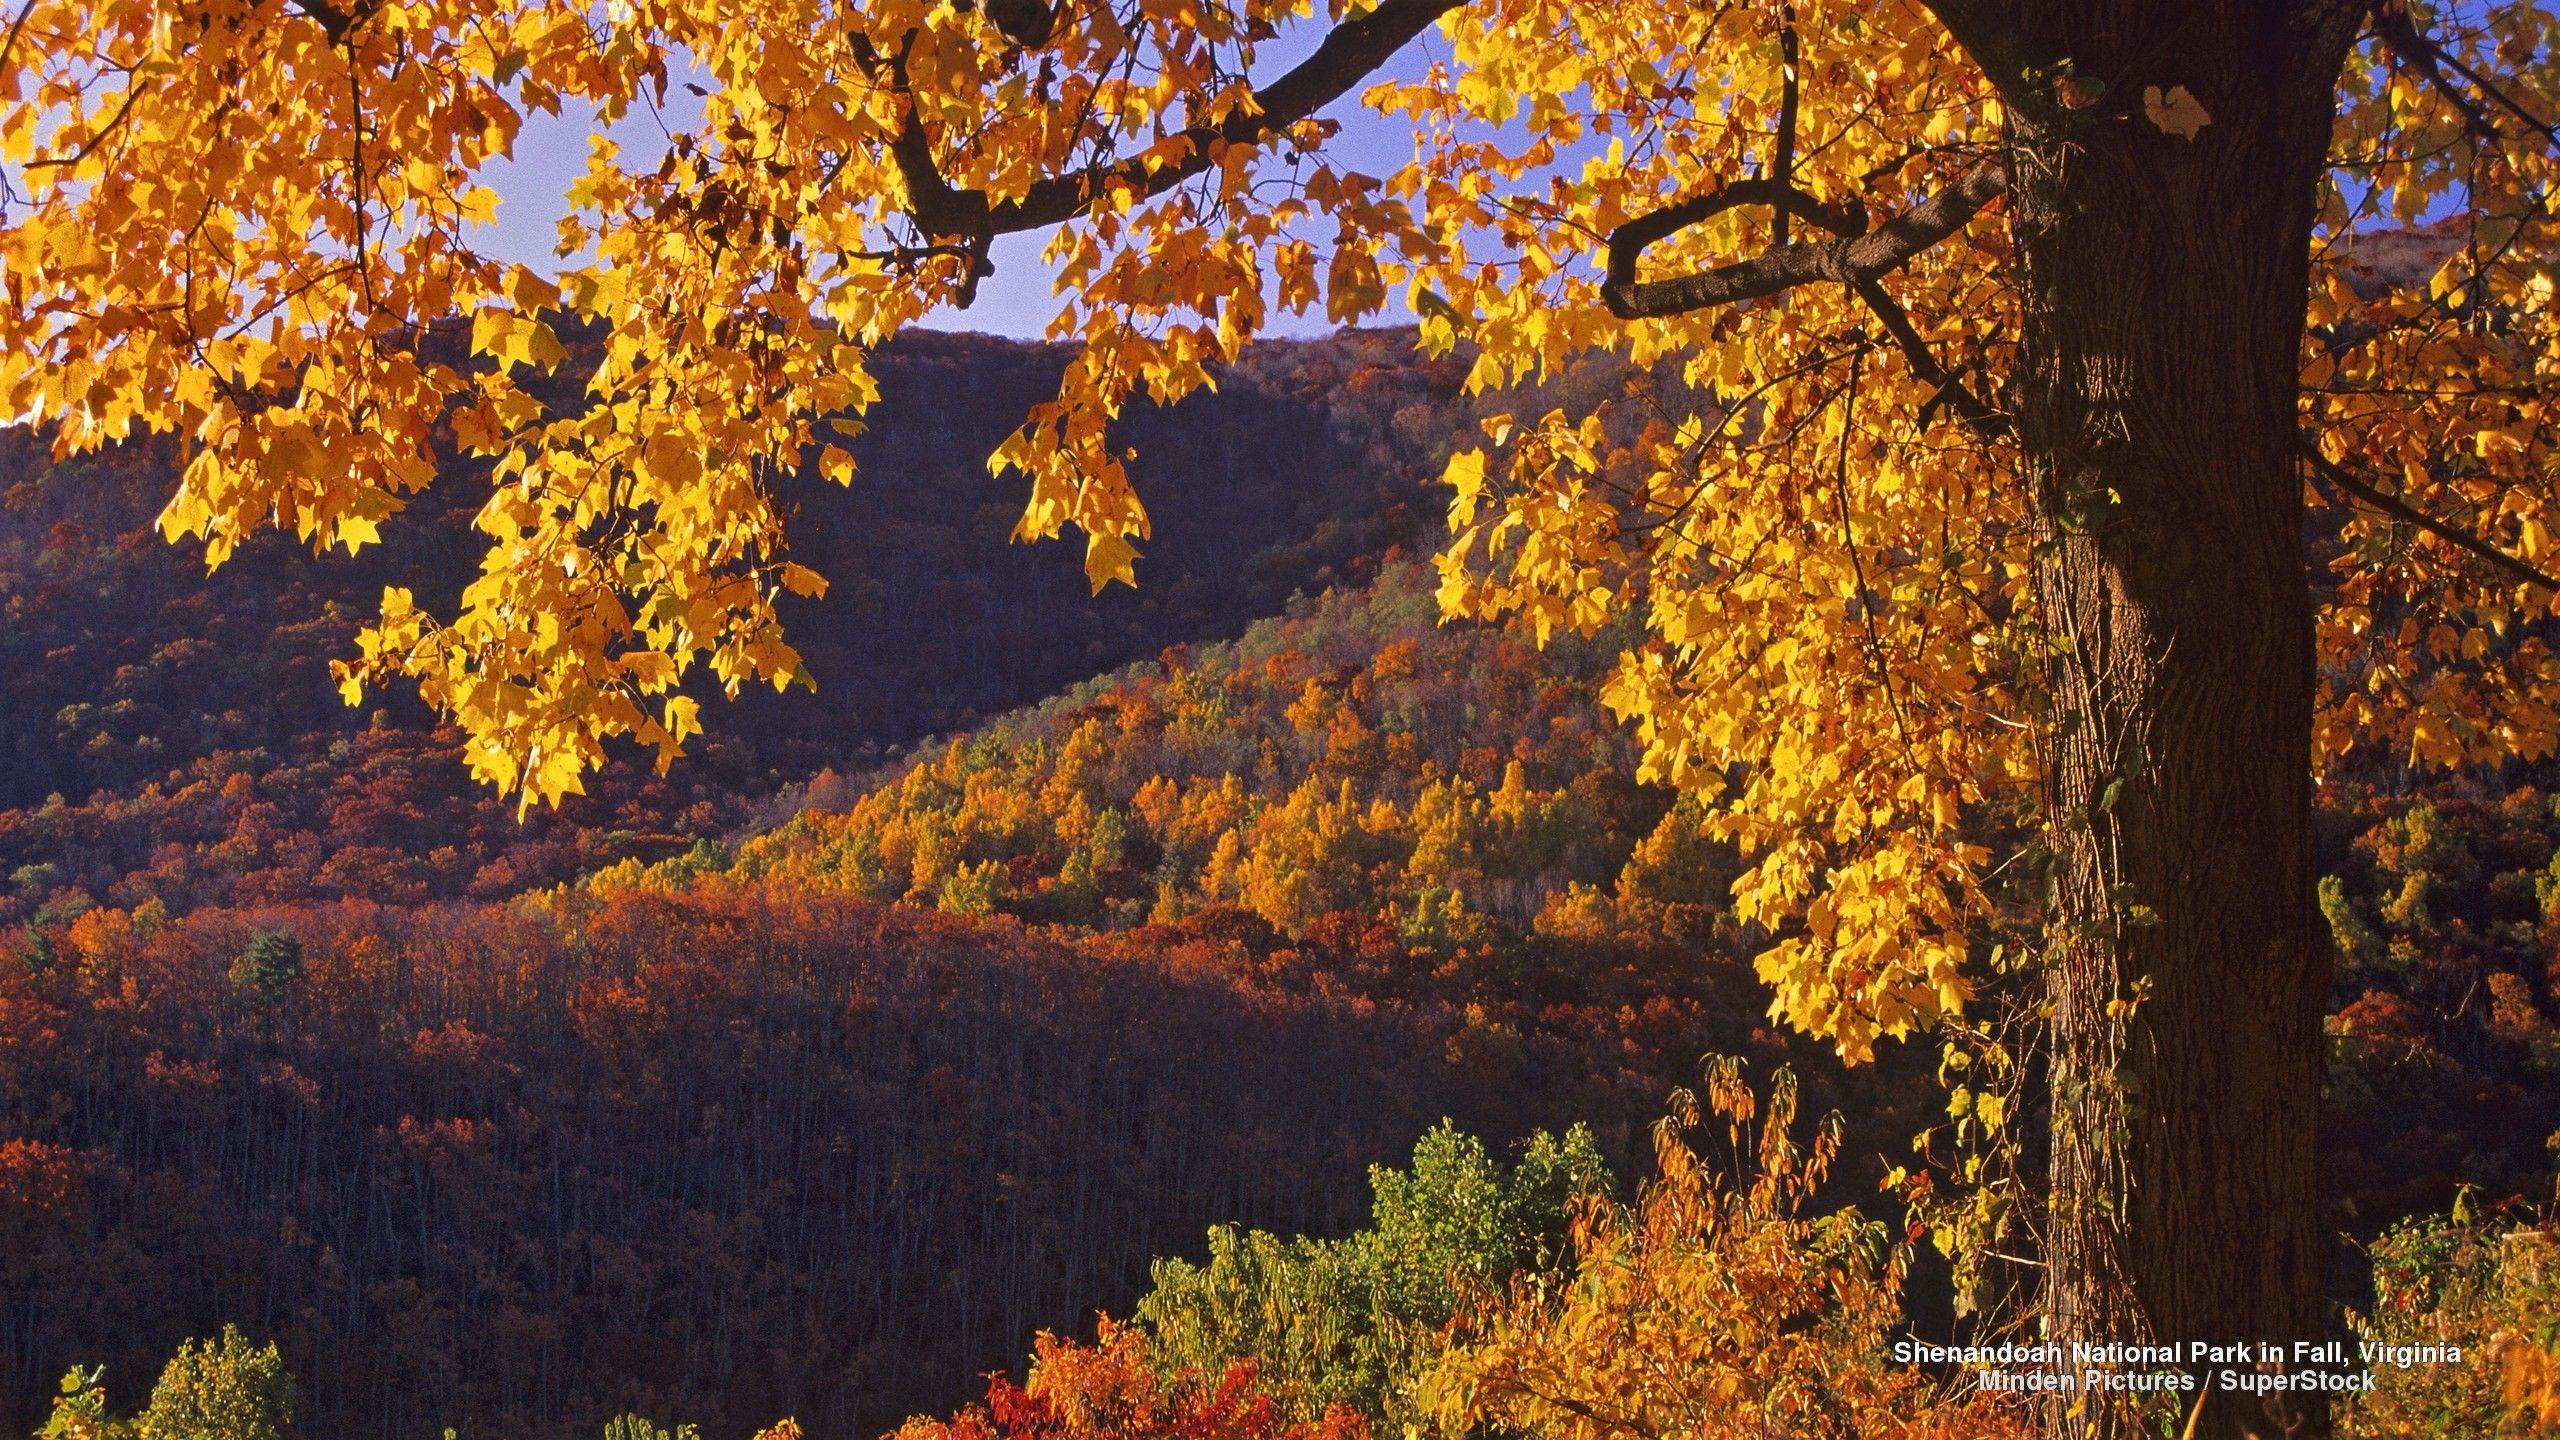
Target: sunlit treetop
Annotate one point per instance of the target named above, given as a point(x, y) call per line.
point(260, 227)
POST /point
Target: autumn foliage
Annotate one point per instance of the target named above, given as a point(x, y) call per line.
point(1349, 759)
point(1715, 1306)
point(1108, 1391)
point(665, 1068)
point(189, 729)
point(747, 1148)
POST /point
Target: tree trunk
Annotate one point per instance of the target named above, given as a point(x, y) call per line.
point(2165, 280)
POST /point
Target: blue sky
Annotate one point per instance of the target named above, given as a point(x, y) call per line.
point(550, 152)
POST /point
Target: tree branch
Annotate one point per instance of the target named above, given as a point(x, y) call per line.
point(2391, 21)
point(1847, 258)
point(1631, 1425)
point(2399, 509)
point(1848, 224)
point(1784, 169)
point(1629, 241)
point(1952, 392)
point(939, 208)
point(1347, 55)
point(1027, 23)
point(336, 20)
point(2401, 34)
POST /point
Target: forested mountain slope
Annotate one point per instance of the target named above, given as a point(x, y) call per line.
point(169, 736)
point(752, 1132)
point(1356, 767)
point(271, 1027)
point(518, 1168)
point(696, 1141)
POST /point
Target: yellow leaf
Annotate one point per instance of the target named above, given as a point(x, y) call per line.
point(530, 292)
point(1465, 474)
point(1109, 557)
point(801, 580)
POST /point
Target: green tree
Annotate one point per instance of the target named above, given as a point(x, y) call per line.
point(269, 968)
point(639, 1427)
point(223, 1389)
point(1352, 1321)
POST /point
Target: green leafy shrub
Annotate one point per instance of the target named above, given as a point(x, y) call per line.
point(1346, 1323)
point(2493, 1289)
point(225, 1389)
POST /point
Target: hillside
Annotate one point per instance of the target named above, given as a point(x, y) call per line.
point(696, 1142)
point(1353, 759)
point(168, 736)
point(828, 1121)
point(272, 1024)
point(519, 1168)
point(1356, 767)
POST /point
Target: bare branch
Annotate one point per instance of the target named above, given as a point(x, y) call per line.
point(132, 91)
point(1348, 54)
point(934, 203)
point(938, 207)
point(1846, 258)
point(1848, 225)
point(2399, 509)
point(2400, 33)
point(9, 47)
point(907, 257)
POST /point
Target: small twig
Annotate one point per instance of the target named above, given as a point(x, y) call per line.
point(115, 122)
point(2392, 22)
point(1858, 565)
point(1349, 52)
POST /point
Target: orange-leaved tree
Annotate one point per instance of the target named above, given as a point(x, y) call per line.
point(2101, 414)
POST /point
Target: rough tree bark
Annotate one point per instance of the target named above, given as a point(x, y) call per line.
point(2164, 280)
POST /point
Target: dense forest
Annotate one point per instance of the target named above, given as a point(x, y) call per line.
point(171, 735)
point(520, 1167)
